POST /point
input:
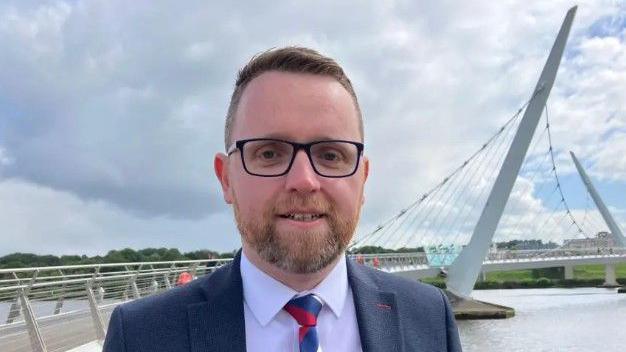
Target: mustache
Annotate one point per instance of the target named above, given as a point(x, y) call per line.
point(299, 201)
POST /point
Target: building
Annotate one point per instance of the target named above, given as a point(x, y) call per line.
point(603, 239)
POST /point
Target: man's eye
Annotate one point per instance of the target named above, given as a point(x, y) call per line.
point(330, 156)
point(268, 154)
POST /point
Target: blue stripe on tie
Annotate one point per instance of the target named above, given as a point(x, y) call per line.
point(308, 303)
point(310, 341)
point(305, 310)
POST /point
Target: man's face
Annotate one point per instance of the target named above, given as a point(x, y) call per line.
point(301, 221)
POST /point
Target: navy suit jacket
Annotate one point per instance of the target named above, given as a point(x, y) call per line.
point(393, 314)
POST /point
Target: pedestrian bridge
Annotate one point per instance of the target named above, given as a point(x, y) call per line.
point(416, 265)
point(66, 307)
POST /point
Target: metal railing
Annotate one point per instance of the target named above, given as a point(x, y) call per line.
point(62, 307)
point(58, 308)
point(557, 253)
point(392, 261)
point(420, 260)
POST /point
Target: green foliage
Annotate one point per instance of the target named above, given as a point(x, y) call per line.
point(582, 272)
point(202, 254)
point(126, 255)
point(435, 281)
point(227, 255)
point(20, 260)
point(579, 282)
point(370, 250)
point(515, 275)
point(526, 244)
point(381, 250)
point(487, 285)
point(544, 282)
point(551, 273)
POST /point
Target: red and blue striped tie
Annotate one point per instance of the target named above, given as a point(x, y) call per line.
point(305, 310)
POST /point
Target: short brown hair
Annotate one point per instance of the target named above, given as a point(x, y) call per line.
point(291, 59)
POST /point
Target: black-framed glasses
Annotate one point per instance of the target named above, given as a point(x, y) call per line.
point(268, 157)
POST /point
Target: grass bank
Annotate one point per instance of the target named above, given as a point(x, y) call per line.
point(584, 276)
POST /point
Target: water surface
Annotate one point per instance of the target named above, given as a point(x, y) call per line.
point(576, 320)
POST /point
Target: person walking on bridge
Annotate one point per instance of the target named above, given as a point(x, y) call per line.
point(294, 171)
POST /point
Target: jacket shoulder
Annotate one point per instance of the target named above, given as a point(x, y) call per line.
point(423, 310)
point(160, 322)
point(403, 287)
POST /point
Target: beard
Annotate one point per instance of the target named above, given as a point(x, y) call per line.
point(303, 251)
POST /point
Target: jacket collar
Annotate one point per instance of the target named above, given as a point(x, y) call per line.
point(218, 323)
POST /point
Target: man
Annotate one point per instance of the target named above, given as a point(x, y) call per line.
point(294, 172)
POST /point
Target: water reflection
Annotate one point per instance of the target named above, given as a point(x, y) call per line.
point(581, 319)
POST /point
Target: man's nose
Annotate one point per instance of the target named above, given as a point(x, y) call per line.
point(301, 177)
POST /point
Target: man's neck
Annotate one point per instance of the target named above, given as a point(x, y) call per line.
point(298, 282)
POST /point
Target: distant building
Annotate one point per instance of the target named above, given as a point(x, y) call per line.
point(602, 240)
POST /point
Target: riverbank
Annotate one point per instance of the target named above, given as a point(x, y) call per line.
point(584, 276)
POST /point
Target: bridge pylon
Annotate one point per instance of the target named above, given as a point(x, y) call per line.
point(464, 271)
point(606, 214)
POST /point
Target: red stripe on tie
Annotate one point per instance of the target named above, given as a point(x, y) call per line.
point(302, 316)
point(302, 333)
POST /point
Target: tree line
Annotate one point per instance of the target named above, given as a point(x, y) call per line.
point(129, 255)
point(126, 255)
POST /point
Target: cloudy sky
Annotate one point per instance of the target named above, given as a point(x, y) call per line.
point(111, 111)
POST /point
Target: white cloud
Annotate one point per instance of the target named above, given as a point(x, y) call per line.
point(44, 220)
point(5, 159)
point(122, 104)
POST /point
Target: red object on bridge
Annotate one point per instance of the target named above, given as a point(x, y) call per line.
point(376, 262)
point(183, 278)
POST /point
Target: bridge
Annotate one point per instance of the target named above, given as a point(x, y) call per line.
point(63, 308)
point(416, 265)
point(508, 188)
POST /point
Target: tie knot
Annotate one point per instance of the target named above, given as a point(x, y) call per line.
point(305, 309)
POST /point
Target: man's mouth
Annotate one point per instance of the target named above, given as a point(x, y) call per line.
point(305, 217)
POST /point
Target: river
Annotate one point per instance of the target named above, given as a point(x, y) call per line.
point(572, 320)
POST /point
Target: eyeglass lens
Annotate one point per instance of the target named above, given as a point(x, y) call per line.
point(270, 157)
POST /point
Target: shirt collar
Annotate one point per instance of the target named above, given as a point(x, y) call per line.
point(266, 296)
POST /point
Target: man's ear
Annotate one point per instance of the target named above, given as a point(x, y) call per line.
point(366, 167)
point(366, 171)
point(220, 164)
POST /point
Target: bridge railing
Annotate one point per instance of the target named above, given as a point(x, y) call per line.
point(417, 260)
point(532, 254)
point(392, 261)
point(38, 302)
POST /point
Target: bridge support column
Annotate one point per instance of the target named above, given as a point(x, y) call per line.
point(14, 311)
point(483, 276)
point(96, 317)
point(36, 341)
point(569, 272)
point(609, 275)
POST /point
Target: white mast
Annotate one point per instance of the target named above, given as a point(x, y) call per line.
point(606, 215)
point(464, 271)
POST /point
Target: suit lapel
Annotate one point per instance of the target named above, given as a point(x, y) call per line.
point(376, 311)
point(218, 324)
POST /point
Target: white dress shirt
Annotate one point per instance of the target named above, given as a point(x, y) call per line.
point(270, 328)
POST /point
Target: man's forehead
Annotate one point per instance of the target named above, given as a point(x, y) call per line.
point(313, 137)
point(284, 89)
point(279, 105)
